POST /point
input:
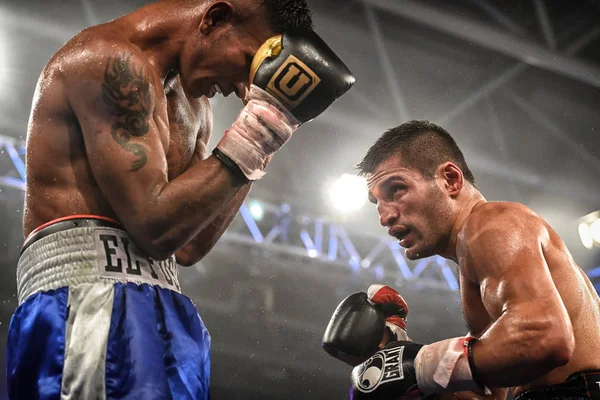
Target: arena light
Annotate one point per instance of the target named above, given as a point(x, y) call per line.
point(348, 193)
point(589, 230)
point(256, 210)
point(585, 234)
point(595, 230)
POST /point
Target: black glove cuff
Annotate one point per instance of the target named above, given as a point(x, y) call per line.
point(470, 344)
point(229, 163)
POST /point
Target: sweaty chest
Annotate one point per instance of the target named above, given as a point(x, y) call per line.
point(189, 128)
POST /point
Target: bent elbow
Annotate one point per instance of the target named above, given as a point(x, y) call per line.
point(160, 251)
point(563, 352)
point(151, 241)
point(185, 260)
point(189, 256)
point(160, 256)
point(156, 248)
point(155, 253)
point(560, 347)
point(188, 262)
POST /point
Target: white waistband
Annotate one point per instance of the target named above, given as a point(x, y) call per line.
point(89, 255)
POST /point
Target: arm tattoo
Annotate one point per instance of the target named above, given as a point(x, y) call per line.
point(127, 92)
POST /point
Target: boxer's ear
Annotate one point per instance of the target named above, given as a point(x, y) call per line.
point(452, 177)
point(215, 15)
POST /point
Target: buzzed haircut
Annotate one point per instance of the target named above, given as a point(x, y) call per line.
point(280, 15)
point(285, 15)
point(422, 145)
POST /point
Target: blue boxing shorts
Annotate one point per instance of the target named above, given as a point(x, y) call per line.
point(99, 320)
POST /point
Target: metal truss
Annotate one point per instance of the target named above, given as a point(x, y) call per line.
point(13, 174)
point(281, 230)
point(525, 50)
point(513, 41)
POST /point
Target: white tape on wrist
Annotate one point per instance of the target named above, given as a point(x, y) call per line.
point(262, 128)
point(443, 367)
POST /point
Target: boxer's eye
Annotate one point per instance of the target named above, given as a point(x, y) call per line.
point(397, 189)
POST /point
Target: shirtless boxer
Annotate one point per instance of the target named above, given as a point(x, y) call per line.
point(533, 315)
point(120, 187)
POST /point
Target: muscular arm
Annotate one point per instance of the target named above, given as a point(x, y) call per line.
point(204, 241)
point(532, 332)
point(498, 393)
point(117, 102)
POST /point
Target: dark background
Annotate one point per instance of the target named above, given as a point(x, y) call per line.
point(516, 83)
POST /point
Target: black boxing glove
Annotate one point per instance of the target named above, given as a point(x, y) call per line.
point(294, 77)
point(302, 72)
point(406, 368)
point(355, 330)
point(388, 374)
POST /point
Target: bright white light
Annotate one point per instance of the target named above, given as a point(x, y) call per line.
point(256, 211)
point(312, 253)
point(595, 230)
point(585, 234)
point(348, 193)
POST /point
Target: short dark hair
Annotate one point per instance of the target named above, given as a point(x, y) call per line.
point(422, 145)
point(285, 15)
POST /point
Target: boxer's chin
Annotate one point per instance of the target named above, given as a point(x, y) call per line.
point(417, 251)
point(411, 254)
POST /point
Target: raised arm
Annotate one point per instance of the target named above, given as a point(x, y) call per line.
point(532, 332)
point(125, 130)
point(124, 127)
point(206, 239)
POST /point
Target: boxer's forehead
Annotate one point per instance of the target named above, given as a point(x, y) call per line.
point(392, 168)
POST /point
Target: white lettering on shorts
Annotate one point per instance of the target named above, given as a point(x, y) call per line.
point(118, 257)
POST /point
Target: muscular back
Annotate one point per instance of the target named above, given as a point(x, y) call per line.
point(526, 288)
point(582, 304)
point(60, 181)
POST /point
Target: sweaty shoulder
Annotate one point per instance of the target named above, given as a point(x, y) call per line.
point(499, 226)
point(95, 52)
point(499, 215)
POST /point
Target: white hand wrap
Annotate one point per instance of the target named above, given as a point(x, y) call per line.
point(262, 128)
point(444, 367)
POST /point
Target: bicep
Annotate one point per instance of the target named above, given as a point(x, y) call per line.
point(115, 111)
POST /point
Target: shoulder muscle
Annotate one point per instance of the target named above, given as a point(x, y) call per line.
point(498, 235)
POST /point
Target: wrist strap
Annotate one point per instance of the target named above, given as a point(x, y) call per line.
point(469, 342)
point(229, 163)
